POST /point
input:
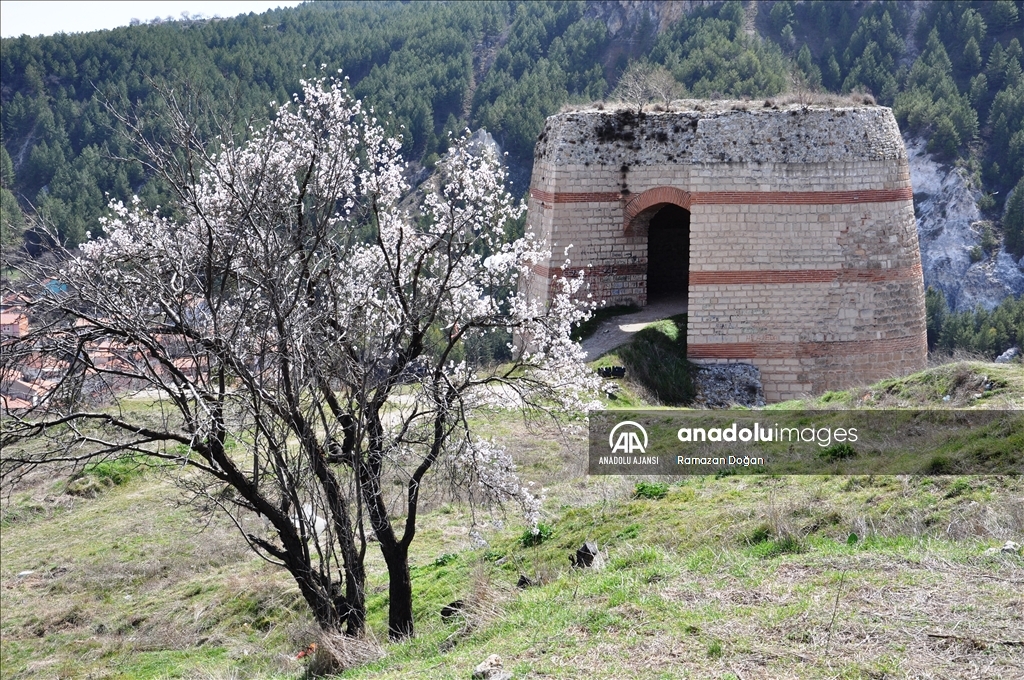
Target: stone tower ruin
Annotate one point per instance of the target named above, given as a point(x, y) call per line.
point(790, 232)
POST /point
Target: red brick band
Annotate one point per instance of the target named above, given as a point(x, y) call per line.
point(801, 350)
point(775, 276)
point(732, 278)
point(595, 197)
point(599, 271)
point(735, 278)
point(804, 197)
point(685, 199)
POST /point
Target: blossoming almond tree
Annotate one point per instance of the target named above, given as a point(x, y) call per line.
point(286, 320)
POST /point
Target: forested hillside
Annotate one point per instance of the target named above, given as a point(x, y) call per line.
point(951, 71)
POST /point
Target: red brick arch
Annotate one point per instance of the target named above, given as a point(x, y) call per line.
point(650, 198)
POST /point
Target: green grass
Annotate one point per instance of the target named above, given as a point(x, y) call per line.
point(167, 663)
point(672, 583)
point(655, 361)
point(784, 545)
point(739, 565)
point(127, 584)
point(95, 478)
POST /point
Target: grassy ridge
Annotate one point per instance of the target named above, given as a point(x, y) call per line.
point(727, 575)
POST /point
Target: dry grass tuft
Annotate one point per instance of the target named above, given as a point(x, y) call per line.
point(941, 358)
point(484, 605)
point(793, 98)
point(486, 601)
point(335, 653)
point(806, 98)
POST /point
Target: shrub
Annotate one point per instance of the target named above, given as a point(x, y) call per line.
point(650, 490)
point(760, 534)
point(783, 545)
point(838, 452)
point(531, 538)
point(445, 559)
point(94, 478)
point(939, 465)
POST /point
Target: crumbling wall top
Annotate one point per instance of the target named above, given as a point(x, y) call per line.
point(722, 132)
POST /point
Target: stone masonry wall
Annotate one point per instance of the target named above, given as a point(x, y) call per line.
point(803, 249)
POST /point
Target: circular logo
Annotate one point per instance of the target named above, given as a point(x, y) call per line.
point(627, 440)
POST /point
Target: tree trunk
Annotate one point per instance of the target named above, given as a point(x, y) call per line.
point(330, 609)
point(400, 624)
point(355, 595)
point(395, 552)
point(329, 602)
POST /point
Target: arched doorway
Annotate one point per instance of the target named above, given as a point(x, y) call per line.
point(668, 254)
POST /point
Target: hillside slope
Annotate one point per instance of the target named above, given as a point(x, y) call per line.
point(106, 576)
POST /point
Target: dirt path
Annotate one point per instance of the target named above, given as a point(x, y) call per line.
point(618, 330)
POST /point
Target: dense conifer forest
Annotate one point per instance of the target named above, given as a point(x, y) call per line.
point(951, 71)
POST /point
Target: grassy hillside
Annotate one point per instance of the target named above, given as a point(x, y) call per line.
point(745, 577)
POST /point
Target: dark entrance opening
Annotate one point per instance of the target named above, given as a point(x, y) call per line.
point(668, 254)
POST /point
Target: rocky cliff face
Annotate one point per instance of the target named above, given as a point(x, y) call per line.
point(949, 226)
point(628, 16)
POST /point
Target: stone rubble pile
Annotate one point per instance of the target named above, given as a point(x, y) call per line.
point(724, 385)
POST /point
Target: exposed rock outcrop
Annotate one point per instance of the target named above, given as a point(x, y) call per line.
point(627, 16)
point(949, 226)
point(1008, 356)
